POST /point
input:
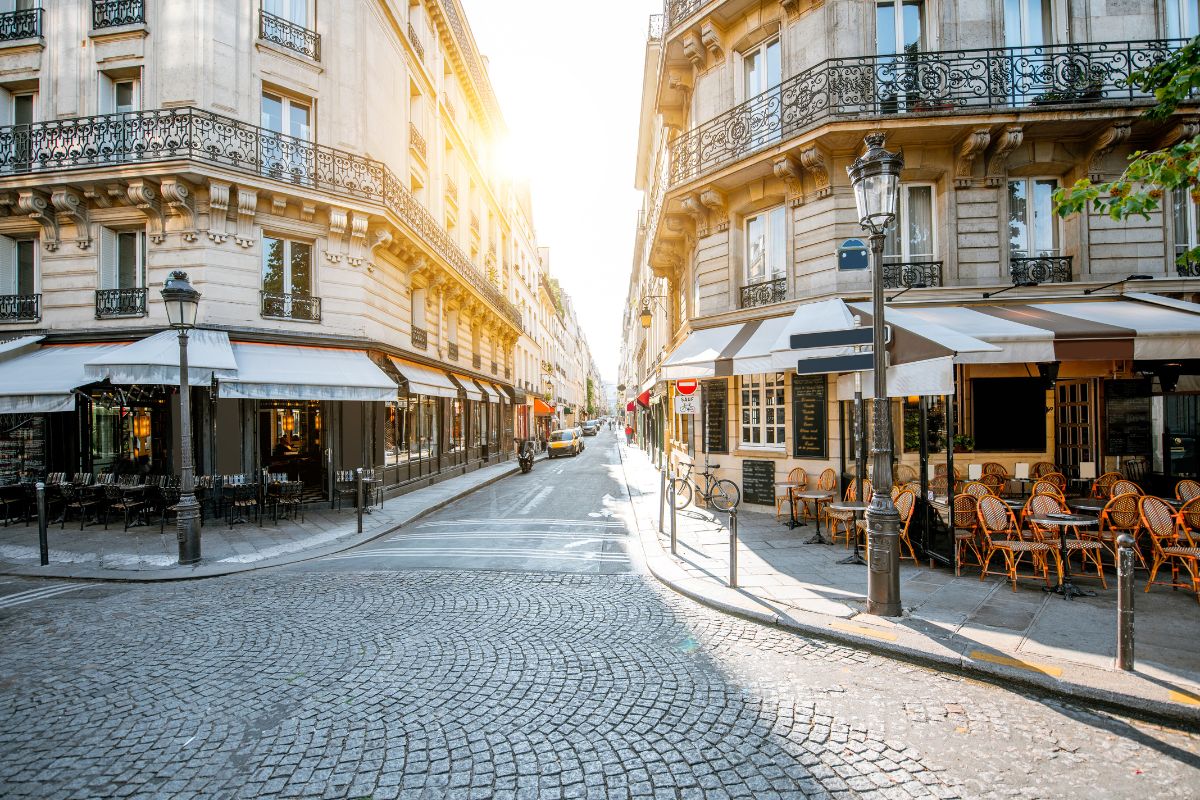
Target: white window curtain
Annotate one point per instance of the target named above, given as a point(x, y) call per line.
point(1033, 227)
point(912, 236)
point(294, 11)
point(898, 26)
point(1027, 23)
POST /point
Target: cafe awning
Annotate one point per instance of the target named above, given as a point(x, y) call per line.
point(541, 408)
point(489, 392)
point(42, 380)
point(742, 349)
point(468, 386)
point(697, 355)
point(155, 360)
point(297, 372)
point(424, 380)
point(19, 346)
point(644, 399)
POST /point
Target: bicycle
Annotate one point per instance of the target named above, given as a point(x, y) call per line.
point(721, 494)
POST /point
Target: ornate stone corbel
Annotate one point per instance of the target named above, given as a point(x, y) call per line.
point(693, 48)
point(279, 204)
point(1186, 128)
point(964, 167)
point(1117, 132)
point(382, 237)
point(338, 218)
point(358, 238)
point(71, 204)
point(144, 196)
point(1009, 139)
point(718, 211)
point(710, 37)
point(98, 195)
point(307, 211)
point(665, 259)
point(218, 211)
point(814, 161)
point(180, 202)
point(681, 81)
point(792, 7)
point(247, 207)
point(788, 171)
point(691, 206)
point(37, 206)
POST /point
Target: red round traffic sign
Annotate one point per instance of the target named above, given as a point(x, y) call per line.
point(686, 386)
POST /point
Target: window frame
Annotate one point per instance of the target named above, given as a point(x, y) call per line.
point(1021, 40)
point(905, 256)
point(106, 243)
point(769, 389)
point(286, 277)
point(1186, 21)
point(287, 100)
point(765, 214)
point(11, 244)
point(1031, 217)
point(760, 50)
point(898, 26)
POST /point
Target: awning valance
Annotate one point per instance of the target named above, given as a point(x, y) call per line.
point(489, 392)
point(155, 360)
point(296, 372)
point(629, 406)
point(425, 380)
point(931, 377)
point(644, 399)
point(697, 355)
point(42, 380)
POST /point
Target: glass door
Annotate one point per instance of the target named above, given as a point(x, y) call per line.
point(762, 71)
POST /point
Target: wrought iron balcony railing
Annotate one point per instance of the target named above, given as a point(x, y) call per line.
point(476, 361)
point(420, 338)
point(113, 13)
point(20, 24)
point(291, 306)
point(286, 33)
point(1189, 269)
point(906, 275)
point(113, 303)
point(508, 373)
point(1040, 269)
point(765, 293)
point(174, 134)
point(20, 307)
point(679, 10)
point(947, 81)
point(416, 140)
point(495, 368)
point(452, 351)
point(655, 30)
point(415, 41)
point(451, 189)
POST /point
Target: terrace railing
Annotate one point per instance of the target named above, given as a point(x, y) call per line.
point(286, 33)
point(764, 293)
point(1040, 269)
point(23, 24)
point(20, 307)
point(114, 13)
point(291, 306)
point(906, 275)
point(114, 303)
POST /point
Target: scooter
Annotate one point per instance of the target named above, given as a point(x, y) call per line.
point(525, 457)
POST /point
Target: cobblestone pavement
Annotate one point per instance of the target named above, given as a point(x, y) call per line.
point(386, 681)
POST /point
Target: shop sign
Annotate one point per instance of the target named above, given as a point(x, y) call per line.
point(687, 404)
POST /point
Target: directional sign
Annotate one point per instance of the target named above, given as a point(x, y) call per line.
point(686, 386)
point(687, 404)
point(844, 338)
point(822, 366)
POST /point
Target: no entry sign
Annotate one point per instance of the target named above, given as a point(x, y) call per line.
point(686, 386)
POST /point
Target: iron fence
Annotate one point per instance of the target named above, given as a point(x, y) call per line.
point(113, 13)
point(286, 33)
point(20, 24)
point(112, 303)
point(420, 338)
point(20, 307)
point(291, 306)
point(764, 293)
point(1040, 269)
point(906, 275)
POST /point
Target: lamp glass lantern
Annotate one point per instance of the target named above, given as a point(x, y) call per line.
point(645, 317)
point(875, 177)
point(182, 301)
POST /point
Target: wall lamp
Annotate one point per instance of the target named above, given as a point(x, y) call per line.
point(1021, 285)
point(920, 285)
point(646, 316)
point(1114, 283)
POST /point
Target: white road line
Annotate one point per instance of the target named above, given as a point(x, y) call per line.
point(583, 536)
point(521, 554)
point(520, 521)
point(40, 593)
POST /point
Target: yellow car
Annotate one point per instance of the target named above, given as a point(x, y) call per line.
point(565, 442)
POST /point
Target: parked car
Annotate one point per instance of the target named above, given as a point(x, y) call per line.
point(565, 442)
point(591, 427)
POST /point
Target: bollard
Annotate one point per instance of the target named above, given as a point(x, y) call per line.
point(329, 472)
point(733, 547)
point(1125, 601)
point(662, 498)
point(672, 501)
point(43, 540)
point(358, 494)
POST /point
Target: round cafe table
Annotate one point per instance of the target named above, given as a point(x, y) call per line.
point(1089, 505)
point(812, 495)
point(790, 488)
point(858, 507)
point(1065, 587)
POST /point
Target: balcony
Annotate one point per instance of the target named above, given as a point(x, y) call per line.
point(20, 307)
point(762, 294)
point(679, 10)
point(20, 24)
point(452, 351)
point(420, 338)
point(115, 13)
point(912, 274)
point(416, 141)
point(291, 306)
point(1040, 269)
point(476, 361)
point(415, 41)
point(451, 190)
point(192, 134)
point(117, 303)
point(286, 33)
point(959, 81)
point(495, 368)
point(507, 373)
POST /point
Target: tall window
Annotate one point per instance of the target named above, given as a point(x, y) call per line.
point(18, 266)
point(287, 267)
point(1183, 19)
point(1186, 215)
point(911, 238)
point(898, 26)
point(1027, 23)
point(764, 418)
point(282, 158)
point(122, 259)
point(761, 68)
point(18, 108)
point(452, 326)
point(294, 11)
point(766, 245)
point(1033, 228)
point(287, 115)
point(118, 95)
point(418, 308)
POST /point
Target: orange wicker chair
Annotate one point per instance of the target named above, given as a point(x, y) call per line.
point(1041, 469)
point(826, 482)
point(905, 503)
point(904, 473)
point(1172, 545)
point(798, 479)
point(1042, 504)
point(993, 481)
point(914, 487)
point(843, 521)
point(1120, 515)
point(1187, 490)
point(977, 489)
point(995, 468)
point(965, 519)
point(1058, 479)
point(1189, 517)
point(1102, 486)
point(1046, 487)
point(1125, 487)
point(1000, 534)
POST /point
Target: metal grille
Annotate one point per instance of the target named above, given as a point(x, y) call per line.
point(1188, 269)
point(112, 303)
point(495, 368)
point(416, 140)
point(476, 360)
point(1040, 269)
point(20, 24)
point(20, 307)
point(452, 351)
point(765, 293)
point(909, 274)
point(291, 306)
point(111, 13)
point(420, 338)
point(286, 33)
point(415, 41)
point(679, 10)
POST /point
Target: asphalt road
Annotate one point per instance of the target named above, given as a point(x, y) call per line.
point(510, 646)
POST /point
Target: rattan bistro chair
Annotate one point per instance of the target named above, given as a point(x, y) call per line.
point(1058, 479)
point(826, 482)
point(1172, 545)
point(905, 503)
point(798, 479)
point(843, 521)
point(1120, 515)
point(995, 468)
point(1046, 487)
point(977, 489)
point(1040, 469)
point(1102, 486)
point(1042, 504)
point(1000, 534)
point(1187, 490)
point(965, 519)
point(1125, 487)
point(904, 473)
point(993, 481)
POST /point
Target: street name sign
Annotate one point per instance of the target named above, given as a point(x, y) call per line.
point(822, 366)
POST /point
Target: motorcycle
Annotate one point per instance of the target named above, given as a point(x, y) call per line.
point(525, 457)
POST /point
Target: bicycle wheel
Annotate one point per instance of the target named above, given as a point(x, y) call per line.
point(683, 492)
point(725, 495)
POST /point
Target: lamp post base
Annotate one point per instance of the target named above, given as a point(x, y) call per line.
point(883, 562)
point(188, 530)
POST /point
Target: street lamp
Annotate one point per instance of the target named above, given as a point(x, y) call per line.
point(646, 315)
point(182, 302)
point(876, 177)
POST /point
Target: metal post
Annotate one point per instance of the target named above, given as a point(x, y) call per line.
point(358, 494)
point(662, 498)
point(883, 521)
point(188, 516)
point(673, 538)
point(860, 455)
point(43, 541)
point(329, 473)
point(1125, 602)
point(733, 548)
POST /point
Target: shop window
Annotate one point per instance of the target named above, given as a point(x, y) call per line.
point(911, 239)
point(764, 415)
point(290, 439)
point(1032, 224)
point(766, 245)
point(935, 425)
point(1009, 414)
point(122, 259)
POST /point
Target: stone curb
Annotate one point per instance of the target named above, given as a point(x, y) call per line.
point(927, 648)
point(348, 542)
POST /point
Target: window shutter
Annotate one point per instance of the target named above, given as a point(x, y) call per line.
point(104, 91)
point(8, 266)
point(108, 258)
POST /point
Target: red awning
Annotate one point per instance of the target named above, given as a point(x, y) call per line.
point(629, 406)
point(644, 399)
point(541, 408)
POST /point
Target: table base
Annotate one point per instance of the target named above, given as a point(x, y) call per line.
point(853, 558)
point(1068, 590)
point(817, 539)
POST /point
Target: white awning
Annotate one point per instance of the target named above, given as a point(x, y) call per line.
point(697, 355)
point(469, 387)
point(488, 392)
point(1016, 342)
point(155, 360)
point(425, 380)
point(295, 372)
point(754, 356)
point(825, 315)
point(18, 346)
point(42, 381)
point(934, 376)
point(1160, 332)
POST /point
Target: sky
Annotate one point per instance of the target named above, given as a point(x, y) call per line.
point(569, 81)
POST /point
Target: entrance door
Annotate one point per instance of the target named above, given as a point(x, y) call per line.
point(1076, 425)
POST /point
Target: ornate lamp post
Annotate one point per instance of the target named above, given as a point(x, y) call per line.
point(876, 177)
point(182, 302)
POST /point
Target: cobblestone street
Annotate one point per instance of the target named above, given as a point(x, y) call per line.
point(372, 678)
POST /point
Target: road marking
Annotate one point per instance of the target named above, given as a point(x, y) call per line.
point(864, 630)
point(1187, 698)
point(521, 521)
point(1008, 661)
point(587, 536)
point(40, 593)
point(522, 554)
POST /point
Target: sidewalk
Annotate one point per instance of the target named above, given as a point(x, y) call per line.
point(973, 626)
point(144, 554)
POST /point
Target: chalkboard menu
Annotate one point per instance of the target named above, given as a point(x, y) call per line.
point(758, 482)
point(1127, 429)
point(715, 400)
point(809, 414)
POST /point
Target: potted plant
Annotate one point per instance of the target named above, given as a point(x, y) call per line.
point(963, 443)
